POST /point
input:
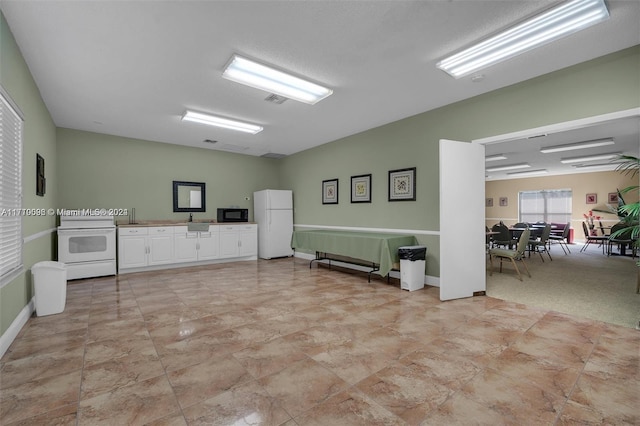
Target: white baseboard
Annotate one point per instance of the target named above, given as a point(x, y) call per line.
point(12, 332)
point(428, 279)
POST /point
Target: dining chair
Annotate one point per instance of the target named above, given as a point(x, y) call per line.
point(621, 239)
point(589, 239)
point(503, 238)
point(516, 230)
point(561, 238)
point(512, 255)
point(539, 245)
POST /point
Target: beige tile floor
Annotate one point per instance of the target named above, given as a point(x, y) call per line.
point(274, 342)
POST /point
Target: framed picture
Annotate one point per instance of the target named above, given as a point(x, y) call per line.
point(592, 198)
point(402, 184)
point(361, 189)
point(41, 182)
point(488, 202)
point(504, 201)
point(613, 198)
point(330, 191)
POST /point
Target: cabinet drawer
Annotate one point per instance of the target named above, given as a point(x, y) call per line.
point(248, 227)
point(213, 229)
point(161, 230)
point(228, 228)
point(132, 231)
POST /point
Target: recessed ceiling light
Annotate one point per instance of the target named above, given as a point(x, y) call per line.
point(226, 123)
point(579, 145)
point(528, 173)
point(510, 167)
point(259, 76)
point(537, 31)
point(495, 157)
point(590, 158)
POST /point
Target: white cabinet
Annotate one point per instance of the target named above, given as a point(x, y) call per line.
point(145, 246)
point(186, 245)
point(196, 246)
point(248, 240)
point(238, 240)
point(160, 245)
point(209, 243)
point(157, 247)
point(229, 241)
point(132, 247)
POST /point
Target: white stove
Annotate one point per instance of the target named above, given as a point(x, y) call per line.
point(87, 244)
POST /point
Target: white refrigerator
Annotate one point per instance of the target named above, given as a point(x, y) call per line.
point(273, 211)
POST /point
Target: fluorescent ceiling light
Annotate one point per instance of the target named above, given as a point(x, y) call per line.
point(579, 145)
point(537, 31)
point(511, 167)
point(245, 71)
point(590, 158)
point(226, 123)
point(495, 157)
point(529, 173)
point(593, 166)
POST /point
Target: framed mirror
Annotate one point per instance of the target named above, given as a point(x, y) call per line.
point(188, 196)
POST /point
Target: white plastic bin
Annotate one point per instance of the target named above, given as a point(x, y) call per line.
point(50, 286)
point(412, 264)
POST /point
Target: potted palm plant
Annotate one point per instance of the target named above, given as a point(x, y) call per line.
point(629, 214)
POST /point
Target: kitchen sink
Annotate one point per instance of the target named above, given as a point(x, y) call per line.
point(198, 227)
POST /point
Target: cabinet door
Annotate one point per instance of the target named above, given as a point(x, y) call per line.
point(208, 245)
point(228, 243)
point(186, 246)
point(132, 252)
point(160, 249)
point(248, 240)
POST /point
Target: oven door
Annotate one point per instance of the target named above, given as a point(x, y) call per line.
point(86, 245)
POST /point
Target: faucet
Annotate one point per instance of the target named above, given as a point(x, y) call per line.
point(190, 217)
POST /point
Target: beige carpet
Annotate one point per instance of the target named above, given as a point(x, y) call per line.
point(588, 284)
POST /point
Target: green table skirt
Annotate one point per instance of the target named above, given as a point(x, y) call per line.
point(378, 248)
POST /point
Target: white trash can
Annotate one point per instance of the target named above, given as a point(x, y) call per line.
point(50, 287)
point(412, 263)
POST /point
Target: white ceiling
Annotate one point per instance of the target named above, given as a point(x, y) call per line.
point(131, 68)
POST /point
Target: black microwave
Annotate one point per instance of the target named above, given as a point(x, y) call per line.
point(233, 215)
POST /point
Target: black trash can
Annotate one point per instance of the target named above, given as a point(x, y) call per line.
point(412, 263)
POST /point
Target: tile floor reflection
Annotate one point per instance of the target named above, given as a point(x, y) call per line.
point(274, 342)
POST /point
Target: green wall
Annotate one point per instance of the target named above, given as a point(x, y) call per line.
point(607, 84)
point(39, 137)
point(103, 171)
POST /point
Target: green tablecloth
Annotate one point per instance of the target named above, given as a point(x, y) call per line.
point(378, 248)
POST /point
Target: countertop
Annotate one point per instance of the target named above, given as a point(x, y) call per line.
point(143, 223)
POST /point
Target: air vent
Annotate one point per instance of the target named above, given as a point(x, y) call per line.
point(209, 141)
point(276, 99)
point(233, 148)
point(273, 155)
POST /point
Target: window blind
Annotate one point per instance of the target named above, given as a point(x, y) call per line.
point(547, 205)
point(11, 126)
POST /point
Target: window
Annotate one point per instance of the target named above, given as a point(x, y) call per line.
point(547, 206)
point(10, 187)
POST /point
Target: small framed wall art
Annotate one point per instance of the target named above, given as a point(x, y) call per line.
point(41, 182)
point(504, 201)
point(488, 202)
point(402, 184)
point(361, 189)
point(592, 199)
point(613, 198)
point(330, 191)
